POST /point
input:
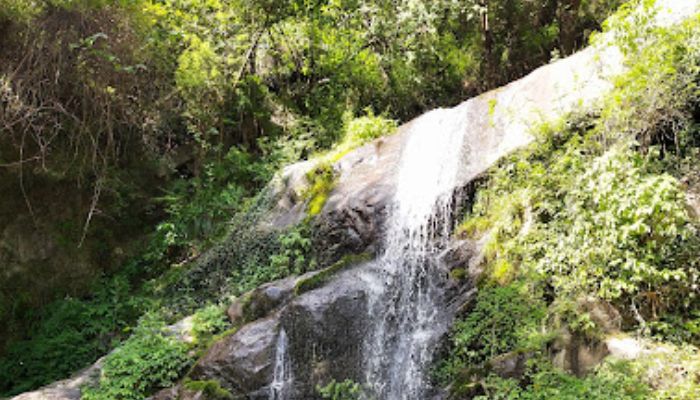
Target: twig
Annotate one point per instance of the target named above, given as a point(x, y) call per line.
point(93, 207)
point(21, 182)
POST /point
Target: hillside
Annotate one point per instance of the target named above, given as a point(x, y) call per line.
point(260, 200)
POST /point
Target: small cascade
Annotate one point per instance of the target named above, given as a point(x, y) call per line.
point(282, 376)
point(408, 309)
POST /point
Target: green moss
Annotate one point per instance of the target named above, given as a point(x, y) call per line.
point(319, 279)
point(250, 313)
point(492, 110)
point(211, 389)
point(356, 132)
point(321, 180)
point(458, 274)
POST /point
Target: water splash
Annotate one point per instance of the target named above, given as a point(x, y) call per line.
point(282, 377)
point(408, 309)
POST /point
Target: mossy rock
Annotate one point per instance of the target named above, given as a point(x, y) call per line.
point(458, 274)
point(322, 179)
point(322, 277)
point(210, 389)
point(259, 302)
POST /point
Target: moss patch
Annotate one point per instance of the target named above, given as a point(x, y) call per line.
point(211, 389)
point(322, 179)
point(322, 277)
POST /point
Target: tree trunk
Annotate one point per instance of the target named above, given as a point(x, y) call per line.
point(488, 44)
point(568, 22)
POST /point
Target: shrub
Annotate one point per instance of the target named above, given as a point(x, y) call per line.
point(614, 381)
point(594, 208)
point(345, 390)
point(504, 318)
point(71, 334)
point(211, 389)
point(207, 322)
point(147, 361)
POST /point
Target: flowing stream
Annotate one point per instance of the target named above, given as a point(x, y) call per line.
point(282, 378)
point(408, 308)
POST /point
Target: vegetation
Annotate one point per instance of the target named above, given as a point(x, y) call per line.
point(345, 390)
point(161, 122)
point(148, 360)
point(612, 381)
point(594, 209)
point(318, 279)
point(212, 389)
point(73, 333)
point(499, 323)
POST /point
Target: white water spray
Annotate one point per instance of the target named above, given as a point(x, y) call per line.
point(408, 310)
point(282, 376)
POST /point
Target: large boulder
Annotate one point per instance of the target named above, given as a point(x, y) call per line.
point(242, 362)
point(324, 329)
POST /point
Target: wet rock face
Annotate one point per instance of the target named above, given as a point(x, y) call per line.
point(324, 328)
point(241, 362)
point(262, 300)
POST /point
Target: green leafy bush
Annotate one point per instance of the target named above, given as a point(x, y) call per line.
point(589, 208)
point(614, 381)
point(595, 209)
point(345, 390)
point(71, 333)
point(294, 255)
point(200, 209)
point(211, 389)
point(503, 319)
point(626, 232)
point(147, 361)
point(209, 321)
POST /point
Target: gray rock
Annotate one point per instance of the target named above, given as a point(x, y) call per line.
point(241, 362)
point(605, 317)
point(67, 389)
point(263, 300)
point(324, 330)
point(511, 365)
point(576, 354)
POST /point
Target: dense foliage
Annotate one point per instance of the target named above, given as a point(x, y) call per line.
point(595, 210)
point(503, 319)
point(72, 332)
point(345, 390)
point(148, 360)
point(165, 118)
point(613, 381)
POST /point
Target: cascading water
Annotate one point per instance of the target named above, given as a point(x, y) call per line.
point(282, 375)
point(408, 307)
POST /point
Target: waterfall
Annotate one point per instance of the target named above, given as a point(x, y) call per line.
point(408, 309)
point(282, 375)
